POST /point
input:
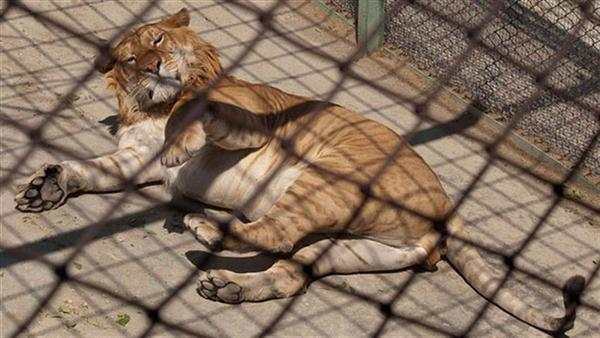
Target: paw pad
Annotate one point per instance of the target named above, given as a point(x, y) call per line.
point(214, 288)
point(42, 192)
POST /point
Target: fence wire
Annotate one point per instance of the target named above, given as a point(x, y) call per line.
point(523, 34)
point(122, 264)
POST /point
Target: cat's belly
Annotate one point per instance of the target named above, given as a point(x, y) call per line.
point(247, 181)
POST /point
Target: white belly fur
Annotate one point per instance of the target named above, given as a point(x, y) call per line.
point(246, 181)
point(218, 177)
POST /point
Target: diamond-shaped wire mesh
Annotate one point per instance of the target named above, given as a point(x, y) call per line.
point(122, 264)
point(517, 43)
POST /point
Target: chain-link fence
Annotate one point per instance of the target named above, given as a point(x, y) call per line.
point(121, 263)
point(521, 39)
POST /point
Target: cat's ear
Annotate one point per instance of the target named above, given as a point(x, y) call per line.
point(105, 61)
point(179, 19)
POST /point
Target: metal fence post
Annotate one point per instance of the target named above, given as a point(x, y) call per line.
point(370, 14)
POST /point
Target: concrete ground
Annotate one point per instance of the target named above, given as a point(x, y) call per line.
point(142, 256)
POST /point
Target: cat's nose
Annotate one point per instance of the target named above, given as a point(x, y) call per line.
point(153, 67)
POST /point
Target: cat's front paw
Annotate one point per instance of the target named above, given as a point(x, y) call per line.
point(180, 151)
point(43, 190)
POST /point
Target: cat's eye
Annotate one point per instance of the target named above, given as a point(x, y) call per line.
point(130, 59)
point(158, 40)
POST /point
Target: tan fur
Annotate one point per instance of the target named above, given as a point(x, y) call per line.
point(293, 166)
